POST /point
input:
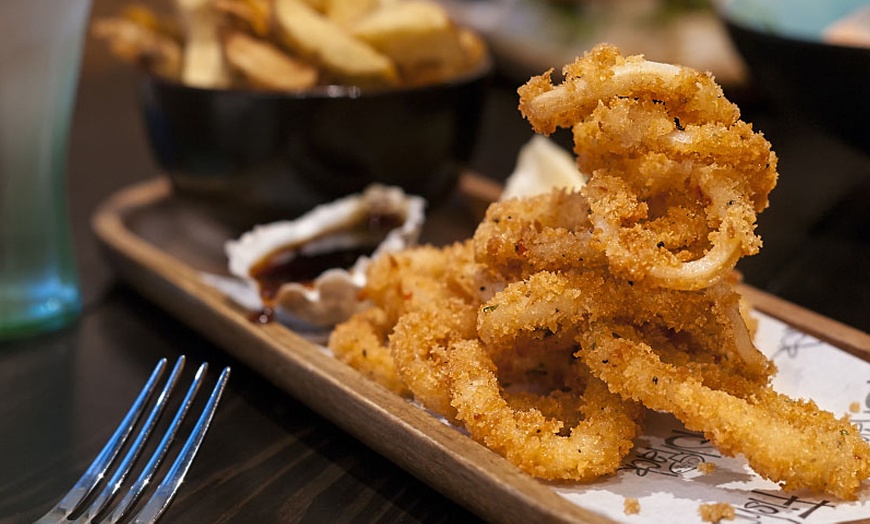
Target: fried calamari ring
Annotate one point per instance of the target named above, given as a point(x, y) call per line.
point(438, 294)
point(396, 283)
point(720, 175)
point(399, 282)
point(624, 132)
point(545, 333)
point(672, 137)
point(604, 74)
point(361, 342)
point(526, 437)
point(419, 346)
point(520, 236)
point(639, 248)
point(801, 446)
point(680, 352)
point(556, 305)
point(469, 279)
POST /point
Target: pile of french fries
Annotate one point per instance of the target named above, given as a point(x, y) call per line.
point(294, 45)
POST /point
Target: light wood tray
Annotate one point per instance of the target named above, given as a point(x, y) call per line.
point(161, 249)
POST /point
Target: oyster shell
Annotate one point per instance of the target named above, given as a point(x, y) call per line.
point(542, 165)
point(284, 261)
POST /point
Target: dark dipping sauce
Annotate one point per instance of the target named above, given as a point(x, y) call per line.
point(289, 264)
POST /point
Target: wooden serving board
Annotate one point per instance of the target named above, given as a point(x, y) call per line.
point(162, 248)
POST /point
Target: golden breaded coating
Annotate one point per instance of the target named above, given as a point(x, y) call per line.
point(361, 342)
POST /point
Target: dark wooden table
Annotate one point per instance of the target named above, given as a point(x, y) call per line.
point(269, 458)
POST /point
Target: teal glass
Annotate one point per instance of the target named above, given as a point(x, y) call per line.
point(40, 57)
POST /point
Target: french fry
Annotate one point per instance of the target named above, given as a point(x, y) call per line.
point(140, 46)
point(345, 58)
point(147, 18)
point(346, 12)
point(265, 66)
point(254, 15)
point(318, 5)
point(473, 45)
point(413, 33)
point(295, 44)
point(204, 64)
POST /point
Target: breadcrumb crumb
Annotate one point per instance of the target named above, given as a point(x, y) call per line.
point(707, 467)
point(716, 511)
point(855, 407)
point(631, 506)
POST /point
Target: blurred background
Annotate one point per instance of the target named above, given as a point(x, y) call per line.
point(816, 233)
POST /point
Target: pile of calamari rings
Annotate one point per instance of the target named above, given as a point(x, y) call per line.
point(567, 315)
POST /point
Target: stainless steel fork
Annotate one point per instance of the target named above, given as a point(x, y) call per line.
point(84, 504)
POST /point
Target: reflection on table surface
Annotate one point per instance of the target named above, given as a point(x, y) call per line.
point(268, 458)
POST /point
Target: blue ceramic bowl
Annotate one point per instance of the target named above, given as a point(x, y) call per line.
point(790, 62)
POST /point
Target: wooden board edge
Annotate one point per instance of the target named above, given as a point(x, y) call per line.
point(845, 337)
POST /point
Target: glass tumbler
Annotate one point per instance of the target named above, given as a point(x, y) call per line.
point(40, 56)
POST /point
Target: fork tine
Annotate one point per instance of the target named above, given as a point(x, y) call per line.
point(161, 498)
point(114, 484)
point(160, 452)
point(97, 470)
